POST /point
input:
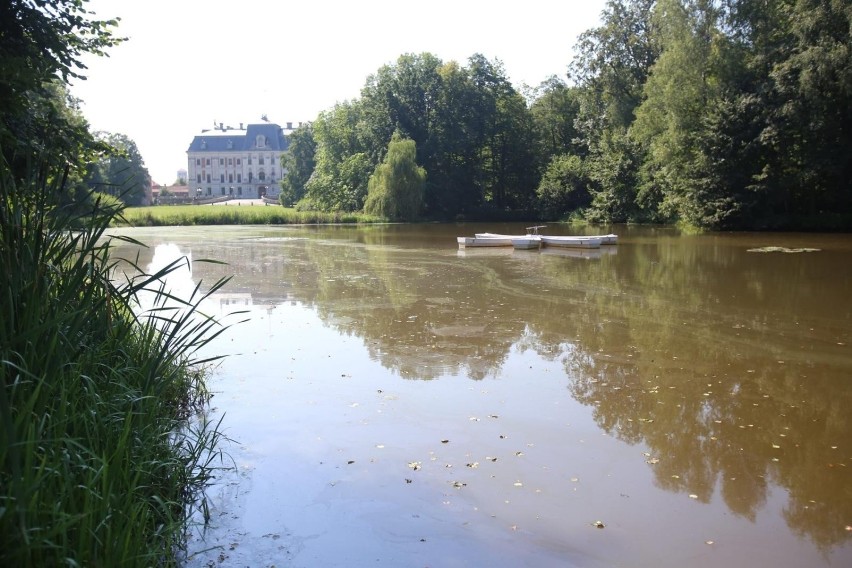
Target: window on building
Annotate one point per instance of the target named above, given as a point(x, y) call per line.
point(239, 178)
point(249, 160)
point(260, 160)
point(221, 161)
point(261, 141)
point(197, 161)
point(238, 161)
point(221, 178)
point(198, 178)
point(209, 191)
point(230, 161)
point(249, 177)
point(239, 190)
point(208, 161)
point(223, 190)
point(230, 178)
point(261, 176)
point(208, 178)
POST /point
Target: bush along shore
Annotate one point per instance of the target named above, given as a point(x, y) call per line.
point(104, 448)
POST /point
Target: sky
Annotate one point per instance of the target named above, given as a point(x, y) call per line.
point(190, 63)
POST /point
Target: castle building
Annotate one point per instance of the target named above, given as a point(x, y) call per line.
point(237, 162)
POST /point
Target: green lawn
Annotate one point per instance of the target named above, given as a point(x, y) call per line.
point(219, 214)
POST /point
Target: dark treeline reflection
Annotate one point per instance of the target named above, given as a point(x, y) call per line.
point(731, 366)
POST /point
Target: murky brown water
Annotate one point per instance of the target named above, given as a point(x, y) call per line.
point(398, 402)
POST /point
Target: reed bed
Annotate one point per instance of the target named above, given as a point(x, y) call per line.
point(232, 214)
point(104, 446)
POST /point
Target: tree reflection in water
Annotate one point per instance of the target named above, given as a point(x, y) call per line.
point(732, 367)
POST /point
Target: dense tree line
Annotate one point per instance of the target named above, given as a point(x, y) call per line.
point(41, 124)
point(717, 114)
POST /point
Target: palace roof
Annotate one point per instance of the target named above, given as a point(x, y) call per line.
point(266, 136)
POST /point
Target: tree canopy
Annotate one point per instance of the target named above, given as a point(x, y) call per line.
point(41, 45)
point(720, 115)
point(395, 189)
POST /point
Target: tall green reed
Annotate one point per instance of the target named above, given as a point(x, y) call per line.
point(104, 448)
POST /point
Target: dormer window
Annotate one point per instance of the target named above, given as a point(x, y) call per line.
point(261, 141)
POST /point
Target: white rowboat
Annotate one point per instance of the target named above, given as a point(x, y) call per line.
point(484, 241)
point(572, 242)
point(528, 242)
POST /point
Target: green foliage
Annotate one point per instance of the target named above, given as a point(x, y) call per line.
point(101, 460)
point(343, 167)
point(742, 112)
point(187, 215)
point(564, 187)
point(119, 171)
point(39, 44)
point(713, 114)
point(299, 163)
point(396, 186)
point(555, 109)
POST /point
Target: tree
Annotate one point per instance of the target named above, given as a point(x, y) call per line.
point(120, 171)
point(814, 123)
point(396, 186)
point(682, 86)
point(299, 163)
point(343, 164)
point(563, 188)
point(41, 45)
point(555, 109)
point(611, 68)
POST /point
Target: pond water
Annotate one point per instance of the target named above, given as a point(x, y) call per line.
point(394, 401)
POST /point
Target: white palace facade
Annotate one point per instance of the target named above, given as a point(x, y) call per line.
point(237, 162)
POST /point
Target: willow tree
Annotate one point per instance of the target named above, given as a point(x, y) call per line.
point(395, 189)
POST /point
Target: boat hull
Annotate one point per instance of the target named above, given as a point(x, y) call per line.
point(526, 243)
point(572, 242)
point(465, 242)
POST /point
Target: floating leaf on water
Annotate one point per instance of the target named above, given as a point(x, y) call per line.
point(459, 484)
point(518, 484)
point(473, 465)
point(652, 461)
point(693, 496)
point(775, 446)
point(519, 453)
point(493, 416)
point(708, 542)
point(598, 524)
point(414, 465)
point(490, 458)
point(445, 441)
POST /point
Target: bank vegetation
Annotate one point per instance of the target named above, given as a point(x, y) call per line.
point(105, 451)
point(717, 115)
